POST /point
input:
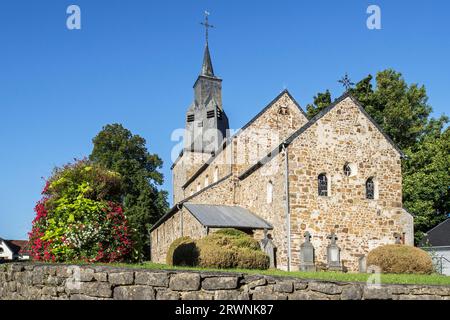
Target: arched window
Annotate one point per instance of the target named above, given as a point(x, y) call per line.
point(269, 192)
point(206, 181)
point(1, 250)
point(371, 192)
point(323, 184)
point(216, 174)
point(347, 170)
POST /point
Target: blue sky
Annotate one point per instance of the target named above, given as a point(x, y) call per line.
point(134, 62)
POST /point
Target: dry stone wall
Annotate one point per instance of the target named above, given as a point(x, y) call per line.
point(20, 281)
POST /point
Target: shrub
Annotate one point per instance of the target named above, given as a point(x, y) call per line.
point(400, 259)
point(231, 248)
point(182, 252)
point(78, 218)
point(224, 249)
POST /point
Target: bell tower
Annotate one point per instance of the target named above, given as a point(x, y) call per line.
point(206, 121)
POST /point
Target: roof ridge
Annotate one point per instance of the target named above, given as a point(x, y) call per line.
point(307, 125)
point(435, 227)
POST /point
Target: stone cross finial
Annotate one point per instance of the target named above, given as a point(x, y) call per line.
point(333, 238)
point(307, 236)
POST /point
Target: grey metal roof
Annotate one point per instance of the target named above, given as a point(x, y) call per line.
point(226, 217)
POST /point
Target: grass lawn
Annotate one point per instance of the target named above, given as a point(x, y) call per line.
point(433, 279)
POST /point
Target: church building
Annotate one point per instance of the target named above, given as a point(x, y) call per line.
point(333, 181)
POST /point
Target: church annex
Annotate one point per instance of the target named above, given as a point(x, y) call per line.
point(335, 177)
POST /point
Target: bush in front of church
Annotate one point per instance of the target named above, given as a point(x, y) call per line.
point(397, 258)
point(230, 248)
point(79, 217)
point(223, 249)
point(182, 252)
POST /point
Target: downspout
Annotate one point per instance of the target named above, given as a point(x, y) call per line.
point(179, 207)
point(287, 207)
point(231, 169)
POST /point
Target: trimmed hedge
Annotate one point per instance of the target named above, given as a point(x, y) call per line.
point(182, 252)
point(396, 258)
point(224, 249)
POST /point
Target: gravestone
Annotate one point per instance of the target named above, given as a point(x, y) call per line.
point(333, 254)
point(269, 248)
point(307, 254)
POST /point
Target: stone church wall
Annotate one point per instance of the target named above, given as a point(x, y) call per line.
point(253, 196)
point(219, 168)
point(267, 131)
point(181, 224)
point(184, 168)
point(344, 135)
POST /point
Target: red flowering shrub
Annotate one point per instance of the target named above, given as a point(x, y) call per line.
point(79, 217)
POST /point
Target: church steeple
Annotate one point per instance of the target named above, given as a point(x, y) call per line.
point(207, 68)
point(206, 122)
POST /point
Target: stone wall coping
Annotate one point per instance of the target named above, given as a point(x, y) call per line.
point(247, 277)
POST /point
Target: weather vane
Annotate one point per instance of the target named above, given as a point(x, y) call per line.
point(207, 25)
point(346, 82)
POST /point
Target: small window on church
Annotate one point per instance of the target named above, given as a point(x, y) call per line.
point(347, 170)
point(1, 250)
point(350, 169)
point(216, 174)
point(283, 110)
point(190, 118)
point(371, 189)
point(323, 185)
point(210, 114)
point(269, 192)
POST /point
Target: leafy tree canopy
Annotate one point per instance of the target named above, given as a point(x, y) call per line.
point(117, 149)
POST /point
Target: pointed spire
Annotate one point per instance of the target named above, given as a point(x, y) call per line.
point(207, 68)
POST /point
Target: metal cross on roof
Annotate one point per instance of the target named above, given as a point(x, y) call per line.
point(207, 25)
point(346, 82)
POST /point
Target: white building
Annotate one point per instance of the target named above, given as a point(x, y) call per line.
point(437, 243)
point(13, 250)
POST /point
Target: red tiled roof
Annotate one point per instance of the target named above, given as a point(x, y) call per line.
point(18, 246)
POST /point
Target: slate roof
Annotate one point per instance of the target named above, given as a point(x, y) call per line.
point(439, 236)
point(215, 216)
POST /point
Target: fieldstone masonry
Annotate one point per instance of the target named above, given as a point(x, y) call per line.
point(20, 281)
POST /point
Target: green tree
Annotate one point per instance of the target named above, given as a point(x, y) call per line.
point(426, 181)
point(403, 112)
point(116, 148)
point(321, 101)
